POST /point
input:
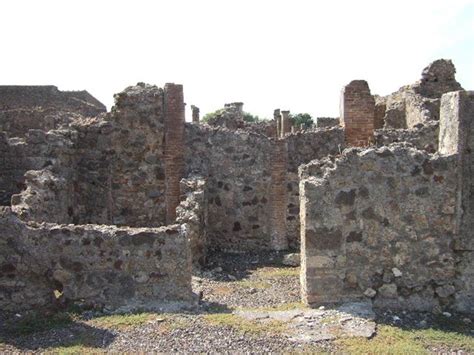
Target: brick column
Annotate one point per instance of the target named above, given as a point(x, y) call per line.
point(277, 118)
point(174, 147)
point(278, 199)
point(285, 123)
point(357, 112)
point(195, 111)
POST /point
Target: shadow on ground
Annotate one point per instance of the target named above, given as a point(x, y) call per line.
point(69, 330)
point(32, 331)
point(239, 265)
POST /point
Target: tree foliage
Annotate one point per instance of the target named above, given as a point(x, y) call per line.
point(248, 117)
point(210, 116)
point(304, 119)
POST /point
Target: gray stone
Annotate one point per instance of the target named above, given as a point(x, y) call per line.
point(292, 259)
point(370, 292)
point(388, 291)
point(445, 291)
point(396, 272)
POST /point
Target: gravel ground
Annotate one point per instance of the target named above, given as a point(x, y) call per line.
point(248, 280)
point(199, 336)
point(230, 282)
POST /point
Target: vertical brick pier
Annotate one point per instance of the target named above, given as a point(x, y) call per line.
point(174, 147)
point(358, 113)
point(279, 198)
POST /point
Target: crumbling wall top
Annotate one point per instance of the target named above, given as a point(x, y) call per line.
point(21, 97)
point(438, 71)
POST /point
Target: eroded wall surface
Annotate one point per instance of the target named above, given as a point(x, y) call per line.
point(419, 103)
point(394, 224)
point(43, 107)
point(302, 148)
point(93, 265)
point(192, 213)
point(238, 170)
point(380, 223)
point(423, 137)
point(390, 224)
point(457, 137)
point(250, 198)
point(36, 150)
point(114, 166)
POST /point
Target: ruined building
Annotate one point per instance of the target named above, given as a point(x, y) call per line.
point(117, 208)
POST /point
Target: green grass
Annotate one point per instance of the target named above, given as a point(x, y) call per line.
point(279, 272)
point(281, 307)
point(119, 321)
point(36, 321)
point(244, 325)
point(73, 349)
point(393, 340)
point(445, 338)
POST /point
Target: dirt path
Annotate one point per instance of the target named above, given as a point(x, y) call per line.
point(249, 303)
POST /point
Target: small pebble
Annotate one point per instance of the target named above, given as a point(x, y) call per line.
point(396, 272)
point(447, 314)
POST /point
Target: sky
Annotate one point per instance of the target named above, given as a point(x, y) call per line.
point(294, 55)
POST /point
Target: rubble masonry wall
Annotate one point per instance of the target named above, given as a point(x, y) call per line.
point(393, 224)
point(93, 265)
point(380, 223)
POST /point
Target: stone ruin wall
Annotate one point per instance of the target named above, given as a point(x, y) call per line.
point(35, 151)
point(110, 162)
point(43, 107)
point(238, 172)
point(31, 97)
point(415, 105)
point(302, 148)
point(105, 170)
point(241, 168)
point(96, 265)
point(457, 137)
point(423, 137)
point(241, 192)
point(384, 224)
point(369, 212)
point(192, 214)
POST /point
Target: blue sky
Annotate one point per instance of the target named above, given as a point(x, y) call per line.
point(292, 55)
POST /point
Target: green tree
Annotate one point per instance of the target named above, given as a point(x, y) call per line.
point(209, 117)
point(248, 117)
point(304, 119)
